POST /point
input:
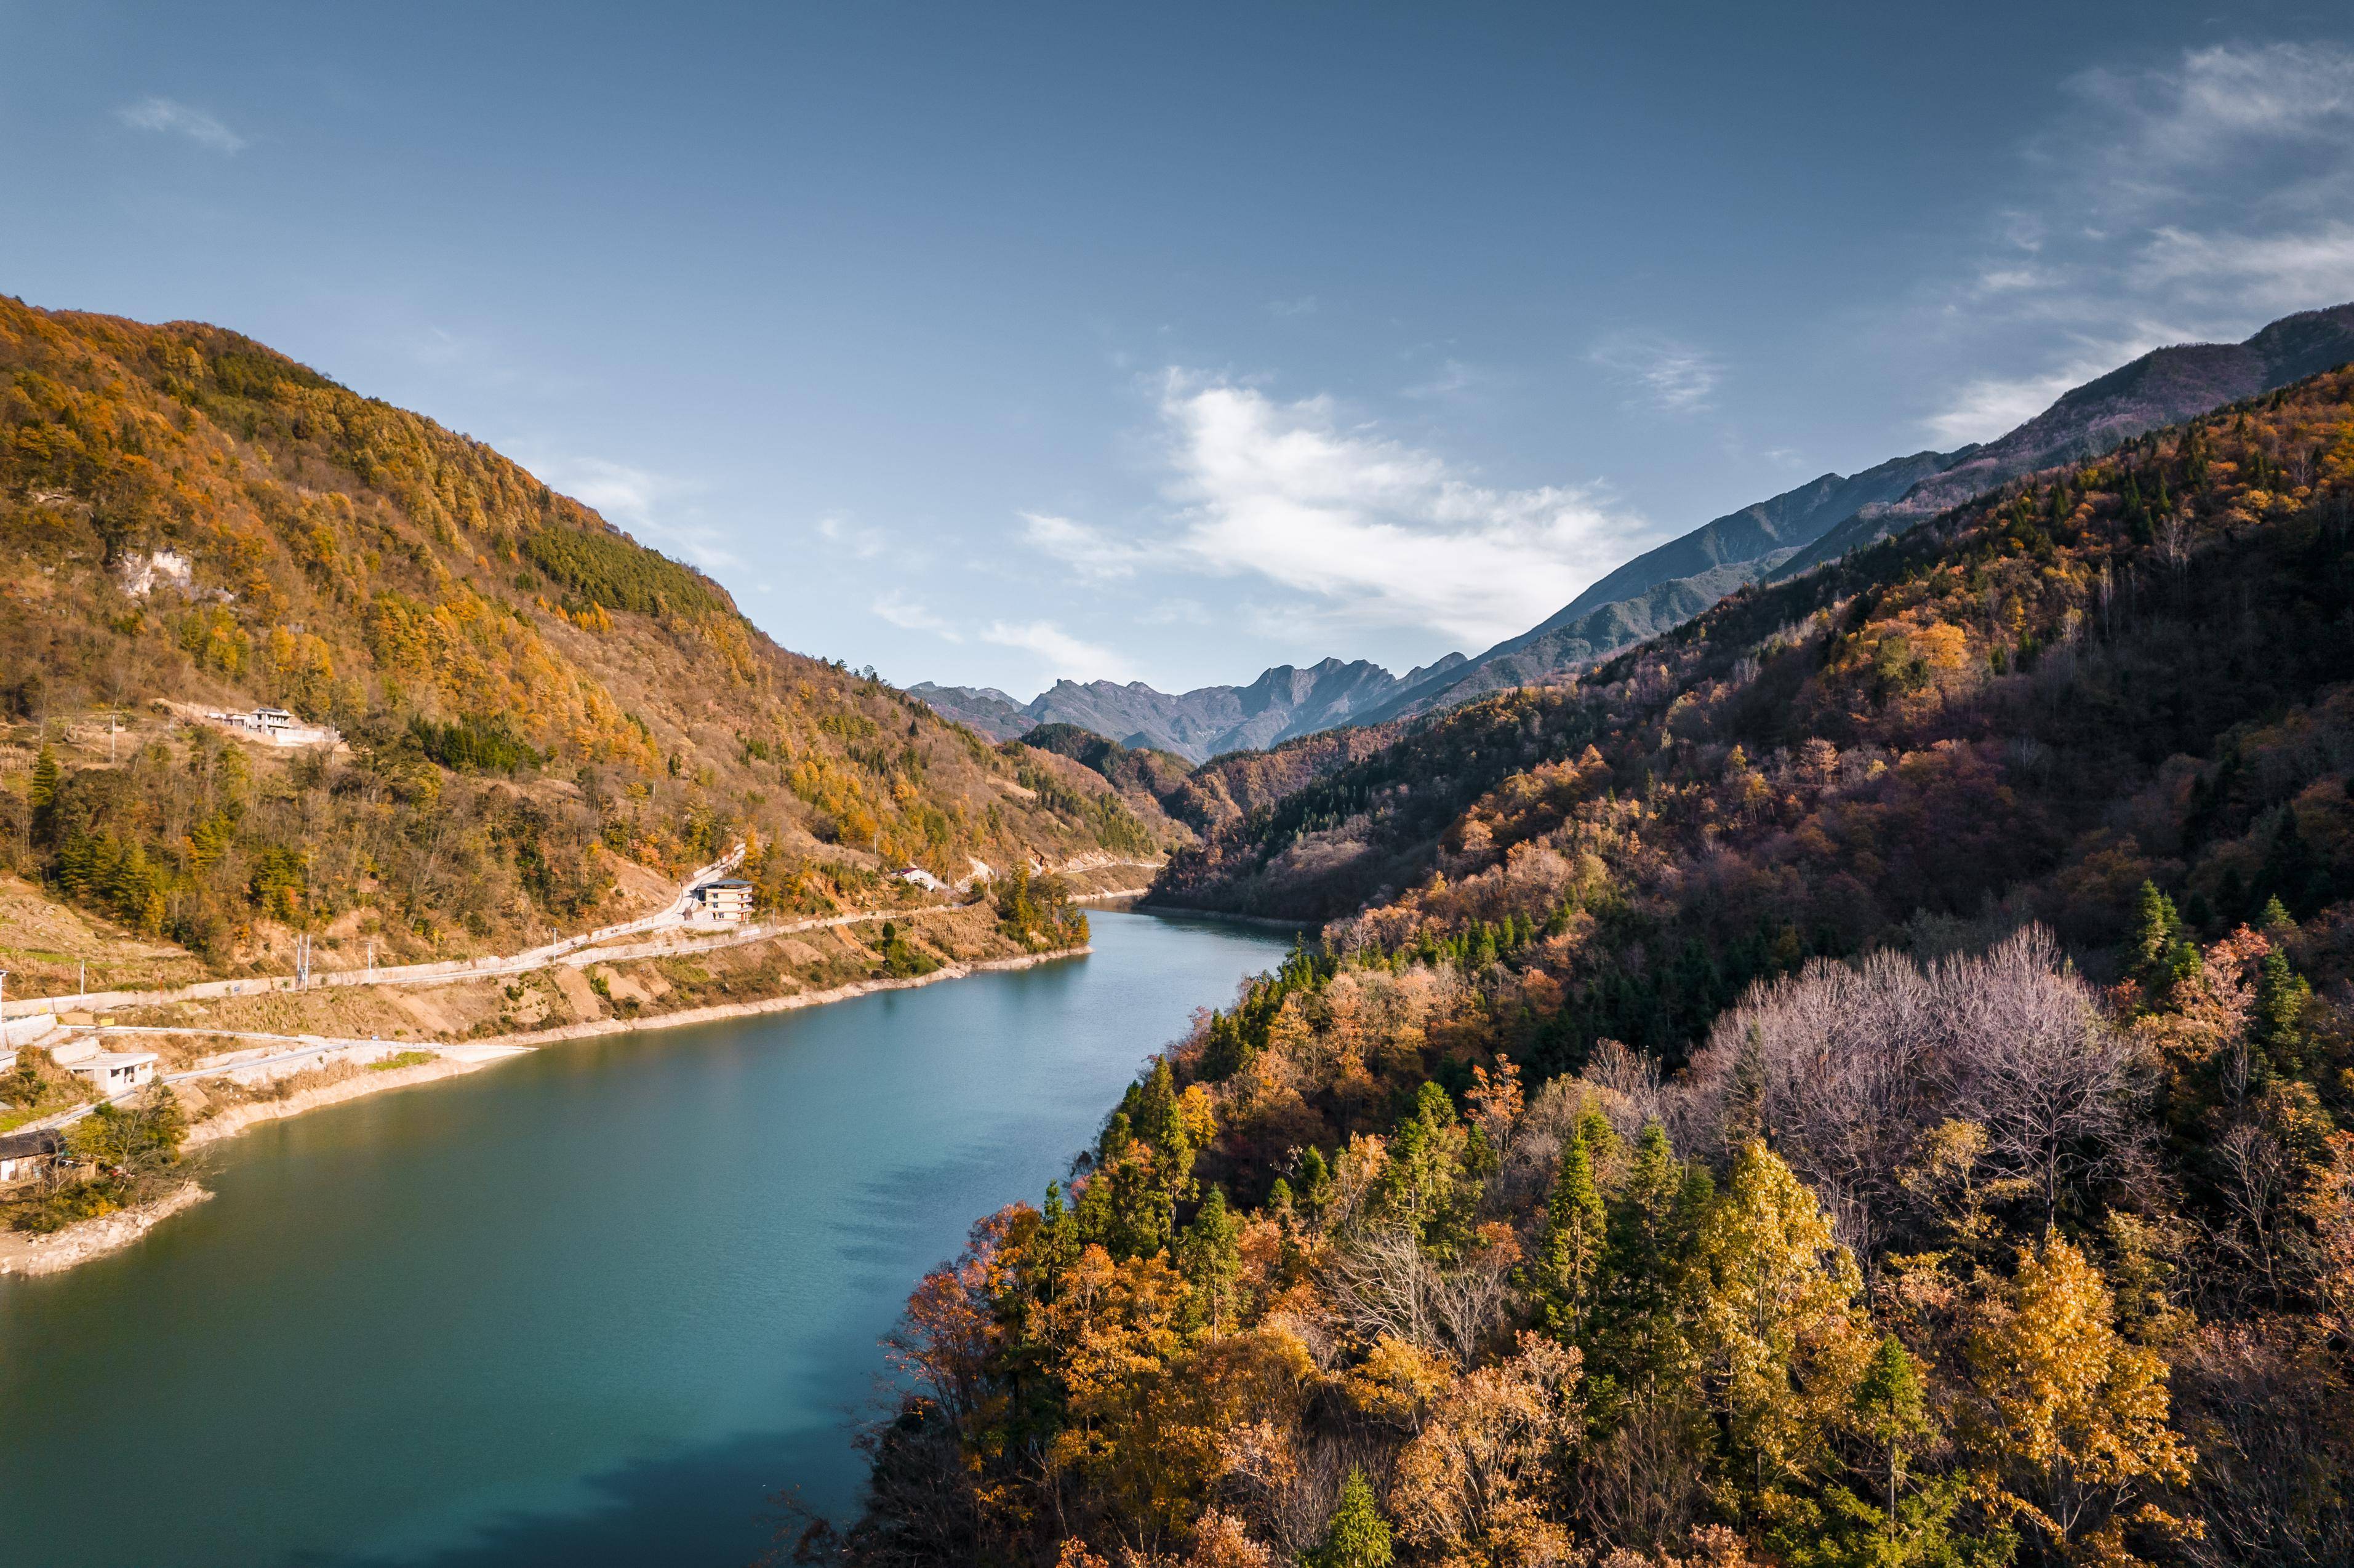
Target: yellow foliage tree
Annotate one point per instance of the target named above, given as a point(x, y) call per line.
point(1475, 1486)
point(2072, 1432)
point(1782, 1340)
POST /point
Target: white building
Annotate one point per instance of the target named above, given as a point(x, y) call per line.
point(922, 878)
point(110, 1073)
point(729, 899)
point(277, 727)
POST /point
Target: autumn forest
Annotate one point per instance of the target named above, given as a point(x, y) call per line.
point(1864, 1078)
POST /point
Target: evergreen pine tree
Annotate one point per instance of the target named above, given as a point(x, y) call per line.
point(1210, 1256)
point(1569, 1255)
point(2282, 997)
point(1315, 1185)
point(2156, 929)
point(45, 779)
point(1637, 1334)
point(1895, 1414)
point(1358, 1536)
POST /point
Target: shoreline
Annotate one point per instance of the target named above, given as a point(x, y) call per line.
point(718, 1011)
point(28, 1255)
point(1112, 896)
point(1274, 921)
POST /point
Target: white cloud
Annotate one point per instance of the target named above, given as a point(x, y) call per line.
point(1981, 410)
point(179, 119)
point(2276, 273)
point(1094, 554)
point(481, 360)
point(656, 508)
point(855, 537)
point(1177, 611)
point(1303, 306)
point(1381, 533)
point(908, 616)
point(1061, 653)
point(2194, 201)
point(2222, 98)
point(1662, 374)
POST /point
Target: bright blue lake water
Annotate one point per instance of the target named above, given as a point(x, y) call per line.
point(590, 1307)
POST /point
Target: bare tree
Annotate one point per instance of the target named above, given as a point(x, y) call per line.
point(1381, 1281)
point(2030, 1058)
point(1845, 1069)
point(2269, 1417)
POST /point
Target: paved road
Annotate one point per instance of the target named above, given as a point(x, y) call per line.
point(673, 914)
point(578, 951)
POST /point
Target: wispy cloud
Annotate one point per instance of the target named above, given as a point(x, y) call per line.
point(1062, 655)
point(908, 616)
point(482, 360)
point(2219, 101)
point(1303, 306)
point(1990, 405)
point(1369, 531)
point(656, 508)
point(2274, 273)
point(179, 119)
point(1454, 379)
point(847, 534)
point(1092, 552)
point(1661, 373)
point(2194, 200)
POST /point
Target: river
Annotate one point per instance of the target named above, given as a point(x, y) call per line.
point(589, 1307)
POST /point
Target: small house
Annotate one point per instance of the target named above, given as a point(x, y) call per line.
point(729, 899)
point(922, 878)
point(110, 1073)
point(23, 1154)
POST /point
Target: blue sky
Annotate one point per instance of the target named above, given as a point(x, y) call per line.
point(994, 343)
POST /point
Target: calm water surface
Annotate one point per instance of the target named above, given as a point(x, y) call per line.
point(590, 1307)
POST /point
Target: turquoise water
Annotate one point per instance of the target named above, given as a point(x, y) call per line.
point(590, 1307)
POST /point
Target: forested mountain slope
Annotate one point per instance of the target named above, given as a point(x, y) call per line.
point(534, 704)
point(1857, 1081)
point(1800, 529)
point(1665, 587)
point(2162, 388)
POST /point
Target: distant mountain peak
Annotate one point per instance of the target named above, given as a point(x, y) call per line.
point(1768, 540)
point(1283, 702)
